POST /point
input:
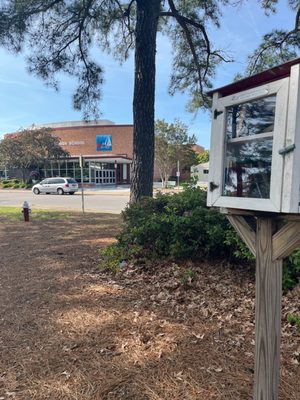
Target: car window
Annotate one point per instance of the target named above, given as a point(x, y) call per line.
point(44, 182)
point(56, 181)
point(70, 180)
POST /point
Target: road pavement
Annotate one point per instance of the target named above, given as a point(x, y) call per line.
point(109, 201)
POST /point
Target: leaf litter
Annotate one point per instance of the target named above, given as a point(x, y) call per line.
point(72, 331)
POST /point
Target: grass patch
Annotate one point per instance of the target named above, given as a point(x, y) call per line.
point(14, 214)
point(294, 320)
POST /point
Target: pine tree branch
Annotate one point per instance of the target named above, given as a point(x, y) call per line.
point(297, 22)
point(183, 23)
point(274, 44)
point(130, 30)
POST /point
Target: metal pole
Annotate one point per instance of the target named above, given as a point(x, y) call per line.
point(82, 194)
point(178, 174)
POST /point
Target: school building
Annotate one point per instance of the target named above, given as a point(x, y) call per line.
point(105, 146)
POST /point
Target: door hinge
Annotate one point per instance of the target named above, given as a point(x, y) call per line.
point(217, 113)
point(212, 186)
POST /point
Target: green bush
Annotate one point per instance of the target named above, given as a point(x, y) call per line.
point(14, 184)
point(291, 270)
point(181, 226)
point(10, 183)
point(177, 226)
point(240, 249)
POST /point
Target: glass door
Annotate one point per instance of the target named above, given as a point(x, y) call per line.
point(104, 176)
point(248, 148)
point(248, 131)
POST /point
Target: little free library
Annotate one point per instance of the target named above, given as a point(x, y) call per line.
point(254, 178)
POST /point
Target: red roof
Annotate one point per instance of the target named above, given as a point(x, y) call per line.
point(270, 75)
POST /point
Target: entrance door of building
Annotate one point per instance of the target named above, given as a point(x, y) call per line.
point(105, 176)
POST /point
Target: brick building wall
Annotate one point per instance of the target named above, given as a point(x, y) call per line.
point(82, 139)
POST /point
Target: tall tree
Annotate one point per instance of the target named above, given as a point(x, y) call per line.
point(30, 148)
point(60, 35)
point(172, 144)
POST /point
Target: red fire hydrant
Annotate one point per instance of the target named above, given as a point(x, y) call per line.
point(26, 211)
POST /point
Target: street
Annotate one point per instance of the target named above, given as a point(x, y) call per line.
point(94, 201)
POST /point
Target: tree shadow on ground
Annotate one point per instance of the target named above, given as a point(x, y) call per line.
point(69, 331)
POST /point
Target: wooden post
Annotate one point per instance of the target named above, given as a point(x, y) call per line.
point(267, 314)
point(270, 242)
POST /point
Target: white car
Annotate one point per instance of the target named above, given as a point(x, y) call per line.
point(56, 185)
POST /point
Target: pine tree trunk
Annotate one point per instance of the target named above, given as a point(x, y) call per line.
point(143, 100)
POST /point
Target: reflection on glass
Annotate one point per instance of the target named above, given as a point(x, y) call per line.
point(248, 168)
point(251, 118)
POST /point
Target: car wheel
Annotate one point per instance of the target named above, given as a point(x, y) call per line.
point(36, 191)
point(71, 192)
point(60, 191)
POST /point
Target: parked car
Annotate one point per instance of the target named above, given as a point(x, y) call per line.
point(56, 185)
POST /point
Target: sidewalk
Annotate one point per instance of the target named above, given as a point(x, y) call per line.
point(107, 189)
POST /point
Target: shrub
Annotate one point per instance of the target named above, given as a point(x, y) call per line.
point(291, 270)
point(181, 226)
point(177, 226)
point(10, 183)
point(14, 184)
point(240, 249)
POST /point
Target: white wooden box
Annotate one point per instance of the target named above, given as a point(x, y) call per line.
point(255, 143)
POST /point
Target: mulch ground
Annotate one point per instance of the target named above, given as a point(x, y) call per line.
point(172, 331)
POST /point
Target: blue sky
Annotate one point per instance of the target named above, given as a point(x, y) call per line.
point(25, 99)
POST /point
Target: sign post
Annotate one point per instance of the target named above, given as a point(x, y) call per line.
point(178, 174)
point(81, 162)
point(116, 169)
